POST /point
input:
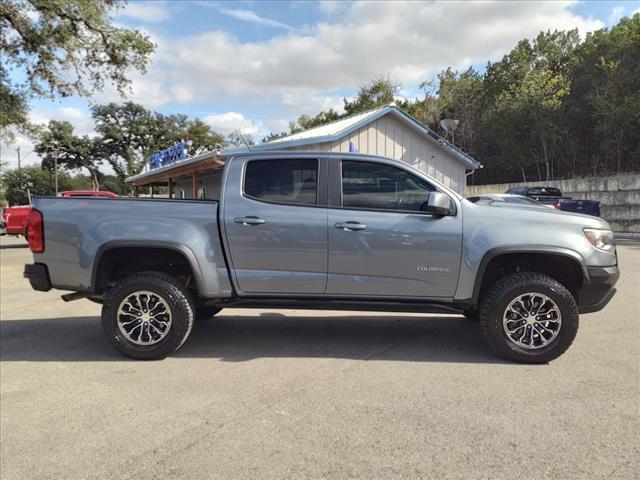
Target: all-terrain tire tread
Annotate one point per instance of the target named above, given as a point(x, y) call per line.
point(527, 279)
point(178, 293)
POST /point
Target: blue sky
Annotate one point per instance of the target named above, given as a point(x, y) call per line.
point(255, 65)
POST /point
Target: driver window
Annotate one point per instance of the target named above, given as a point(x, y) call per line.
point(378, 186)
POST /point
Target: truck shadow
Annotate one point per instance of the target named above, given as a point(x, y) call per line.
point(235, 338)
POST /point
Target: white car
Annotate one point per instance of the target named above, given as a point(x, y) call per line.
point(507, 198)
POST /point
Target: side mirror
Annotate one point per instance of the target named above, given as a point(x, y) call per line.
point(438, 204)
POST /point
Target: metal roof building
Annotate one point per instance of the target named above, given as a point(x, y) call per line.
point(386, 131)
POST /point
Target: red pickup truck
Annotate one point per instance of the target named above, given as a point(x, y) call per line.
point(13, 220)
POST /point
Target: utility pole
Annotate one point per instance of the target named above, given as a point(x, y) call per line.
point(18, 152)
point(55, 163)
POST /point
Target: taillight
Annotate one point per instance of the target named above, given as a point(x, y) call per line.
point(35, 231)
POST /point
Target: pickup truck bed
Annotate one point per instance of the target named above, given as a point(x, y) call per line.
point(553, 196)
point(76, 248)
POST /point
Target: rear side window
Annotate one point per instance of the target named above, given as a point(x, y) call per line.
point(545, 191)
point(378, 186)
point(282, 181)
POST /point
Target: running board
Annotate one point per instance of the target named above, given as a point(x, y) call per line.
point(341, 304)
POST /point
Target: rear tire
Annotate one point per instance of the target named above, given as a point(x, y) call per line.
point(540, 313)
point(147, 315)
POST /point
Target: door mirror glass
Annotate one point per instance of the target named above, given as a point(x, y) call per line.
point(438, 203)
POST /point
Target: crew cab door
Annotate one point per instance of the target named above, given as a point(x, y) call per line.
point(380, 242)
point(275, 221)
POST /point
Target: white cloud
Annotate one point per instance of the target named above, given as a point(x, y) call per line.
point(80, 118)
point(10, 154)
point(226, 123)
point(146, 11)
point(331, 7)
point(408, 40)
point(253, 17)
point(299, 102)
point(616, 14)
point(294, 73)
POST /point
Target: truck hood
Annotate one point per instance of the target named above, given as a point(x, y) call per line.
point(541, 216)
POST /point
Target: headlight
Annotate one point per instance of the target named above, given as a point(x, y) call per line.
point(601, 239)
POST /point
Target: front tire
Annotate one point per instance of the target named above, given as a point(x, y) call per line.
point(529, 317)
point(147, 315)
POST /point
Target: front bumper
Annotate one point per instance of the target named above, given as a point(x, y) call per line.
point(38, 276)
point(596, 293)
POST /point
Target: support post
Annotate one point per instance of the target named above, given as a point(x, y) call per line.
point(136, 192)
point(170, 188)
point(195, 184)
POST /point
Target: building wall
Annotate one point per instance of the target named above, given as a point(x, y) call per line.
point(390, 137)
point(619, 196)
point(210, 181)
point(182, 184)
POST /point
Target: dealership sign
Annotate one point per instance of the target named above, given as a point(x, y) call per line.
point(175, 153)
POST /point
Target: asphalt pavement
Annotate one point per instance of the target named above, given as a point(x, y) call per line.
point(292, 394)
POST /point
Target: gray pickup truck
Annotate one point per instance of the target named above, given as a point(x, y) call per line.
point(324, 231)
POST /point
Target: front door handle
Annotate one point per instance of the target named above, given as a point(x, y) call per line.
point(250, 220)
point(351, 226)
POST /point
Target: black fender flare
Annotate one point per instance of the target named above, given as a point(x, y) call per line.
point(176, 247)
point(511, 249)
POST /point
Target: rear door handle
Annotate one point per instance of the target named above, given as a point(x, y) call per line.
point(250, 220)
point(351, 226)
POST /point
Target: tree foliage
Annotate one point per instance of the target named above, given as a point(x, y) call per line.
point(18, 184)
point(63, 48)
point(58, 143)
point(126, 135)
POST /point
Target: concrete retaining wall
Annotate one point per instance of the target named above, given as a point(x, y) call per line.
point(619, 196)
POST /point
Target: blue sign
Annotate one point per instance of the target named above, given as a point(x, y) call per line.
point(168, 156)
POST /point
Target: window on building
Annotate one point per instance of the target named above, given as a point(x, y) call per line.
point(282, 181)
point(382, 187)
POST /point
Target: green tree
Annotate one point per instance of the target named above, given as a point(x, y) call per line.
point(238, 139)
point(32, 180)
point(305, 122)
point(603, 108)
point(63, 48)
point(58, 143)
point(202, 137)
point(128, 133)
point(427, 109)
point(460, 98)
point(521, 127)
point(378, 92)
